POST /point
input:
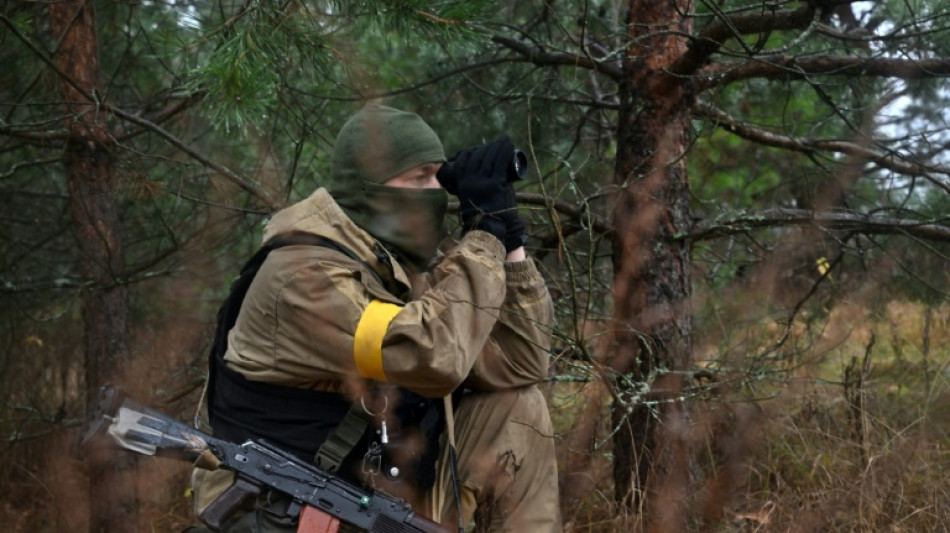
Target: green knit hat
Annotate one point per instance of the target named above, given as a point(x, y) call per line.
point(379, 142)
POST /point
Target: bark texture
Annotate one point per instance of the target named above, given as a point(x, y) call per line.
point(651, 267)
point(93, 187)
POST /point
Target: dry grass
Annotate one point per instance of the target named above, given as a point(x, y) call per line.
point(863, 450)
point(852, 435)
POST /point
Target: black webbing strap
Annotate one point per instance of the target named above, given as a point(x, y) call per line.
point(344, 437)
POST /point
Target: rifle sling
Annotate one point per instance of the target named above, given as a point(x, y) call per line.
point(344, 437)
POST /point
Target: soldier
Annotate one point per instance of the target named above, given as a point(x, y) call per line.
point(356, 326)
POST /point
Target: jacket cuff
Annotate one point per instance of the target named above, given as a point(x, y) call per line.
point(524, 280)
point(521, 271)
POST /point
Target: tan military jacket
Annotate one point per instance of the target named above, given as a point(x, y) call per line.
point(474, 319)
point(299, 317)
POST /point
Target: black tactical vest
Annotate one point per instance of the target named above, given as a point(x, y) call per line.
point(300, 420)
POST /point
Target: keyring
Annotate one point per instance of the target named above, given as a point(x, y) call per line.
point(370, 413)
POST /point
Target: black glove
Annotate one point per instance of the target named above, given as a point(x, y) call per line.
point(479, 177)
point(514, 227)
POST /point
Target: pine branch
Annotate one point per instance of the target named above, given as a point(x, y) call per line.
point(93, 99)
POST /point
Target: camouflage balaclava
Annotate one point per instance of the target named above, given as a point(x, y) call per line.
point(375, 145)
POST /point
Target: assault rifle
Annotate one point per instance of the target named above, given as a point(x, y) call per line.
point(319, 499)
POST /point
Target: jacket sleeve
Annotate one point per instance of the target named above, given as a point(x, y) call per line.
point(433, 341)
point(517, 353)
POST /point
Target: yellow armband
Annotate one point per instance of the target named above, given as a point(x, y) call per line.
point(368, 340)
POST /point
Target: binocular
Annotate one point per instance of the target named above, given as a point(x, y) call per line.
point(517, 170)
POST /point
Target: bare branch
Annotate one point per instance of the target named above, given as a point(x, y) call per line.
point(542, 57)
point(785, 67)
point(712, 228)
point(887, 160)
point(708, 42)
point(582, 217)
point(721, 226)
point(169, 111)
point(231, 176)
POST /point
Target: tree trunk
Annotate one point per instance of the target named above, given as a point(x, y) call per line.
point(92, 184)
point(652, 268)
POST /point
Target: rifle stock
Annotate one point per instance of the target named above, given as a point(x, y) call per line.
point(258, 466)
